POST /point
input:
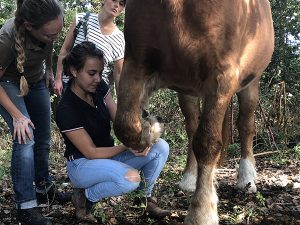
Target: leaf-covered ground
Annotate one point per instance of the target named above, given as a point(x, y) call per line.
point(277, 201)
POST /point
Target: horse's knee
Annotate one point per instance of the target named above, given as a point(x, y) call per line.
point(133, 175)
point(207, 149)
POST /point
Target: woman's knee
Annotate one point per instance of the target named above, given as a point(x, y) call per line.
point(162, 148)
point(133, 175)
point(23, 153)
point(133, 178)
point(29, 144)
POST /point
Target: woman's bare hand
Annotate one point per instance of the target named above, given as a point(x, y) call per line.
point(50, 79)
point(21, 129)
point(58, 86)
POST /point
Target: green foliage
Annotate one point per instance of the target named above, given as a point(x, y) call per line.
point(285, 62)
point(7, 8)
point(99, 213)
point(234, 150)
point(120, 21)
point(280, 84)
point(277, 112)
point(68, 19)
point(260, 199)
point(4, 163)
point(285, 156)
point(296, 151)
point(243, 215)
point(164, 104)
point(5, 149)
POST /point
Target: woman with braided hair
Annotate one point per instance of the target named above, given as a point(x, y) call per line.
point(26, 43)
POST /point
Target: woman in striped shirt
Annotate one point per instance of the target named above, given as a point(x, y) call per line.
point(103, 32)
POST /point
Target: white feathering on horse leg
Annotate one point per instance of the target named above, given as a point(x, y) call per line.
point(188, 182)
point(246, 175)
point(156, 129)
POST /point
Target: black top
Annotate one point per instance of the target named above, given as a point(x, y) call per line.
point(73, 113)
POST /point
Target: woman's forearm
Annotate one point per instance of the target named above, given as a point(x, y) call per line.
point(105, 152)
point(59, 65)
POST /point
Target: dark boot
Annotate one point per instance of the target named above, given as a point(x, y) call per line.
point(149, 205)
point(154, 210)
point(31, 217)
point(83, 206)
point(51, 195)
point(79, 202)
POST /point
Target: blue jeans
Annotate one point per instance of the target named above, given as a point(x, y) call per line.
point(103, 178)
point(29, 161)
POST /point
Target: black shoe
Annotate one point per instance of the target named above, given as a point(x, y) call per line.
point(51, 195)
point(32, 217)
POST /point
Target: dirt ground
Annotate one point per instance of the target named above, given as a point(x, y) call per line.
point(277, 201)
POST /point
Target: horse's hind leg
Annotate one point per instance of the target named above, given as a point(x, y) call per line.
point(248, 99)
point(190, 108)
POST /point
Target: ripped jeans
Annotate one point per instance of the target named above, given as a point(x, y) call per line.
point(103, 178)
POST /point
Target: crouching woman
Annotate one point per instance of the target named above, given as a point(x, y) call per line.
point(96, 167)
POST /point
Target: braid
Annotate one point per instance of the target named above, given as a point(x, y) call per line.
point(38, 13)
point(19, 46)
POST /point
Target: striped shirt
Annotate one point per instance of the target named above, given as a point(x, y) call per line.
point(112, 45)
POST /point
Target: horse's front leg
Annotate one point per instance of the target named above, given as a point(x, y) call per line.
point(207, 146)
point(129, 126)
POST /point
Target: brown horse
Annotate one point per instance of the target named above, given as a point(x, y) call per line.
point(205, 48)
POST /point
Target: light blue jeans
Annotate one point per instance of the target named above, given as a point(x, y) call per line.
point(103, 178)
point(29, 161)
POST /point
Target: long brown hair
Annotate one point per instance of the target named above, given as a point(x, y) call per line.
point(38, 13)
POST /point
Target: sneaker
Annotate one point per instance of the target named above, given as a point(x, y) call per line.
point(51, 195)
point(31, 216)
point(83, 206)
